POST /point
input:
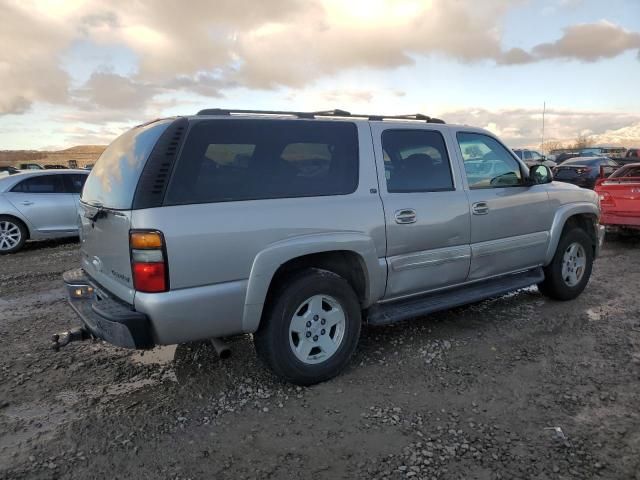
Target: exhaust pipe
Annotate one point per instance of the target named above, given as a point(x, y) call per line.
point(221, 348)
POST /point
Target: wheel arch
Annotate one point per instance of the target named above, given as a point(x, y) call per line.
point(350, 255)
point(582, 215)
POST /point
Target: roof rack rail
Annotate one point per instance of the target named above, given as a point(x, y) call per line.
point(322, 113)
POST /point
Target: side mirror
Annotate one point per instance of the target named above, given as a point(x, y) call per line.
point(539, 175)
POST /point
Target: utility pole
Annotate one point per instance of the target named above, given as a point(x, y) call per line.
point(544, 109)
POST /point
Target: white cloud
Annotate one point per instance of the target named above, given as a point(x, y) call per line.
point(523, 127)
point(29, 68)
point(590, 42)
point(208, 48)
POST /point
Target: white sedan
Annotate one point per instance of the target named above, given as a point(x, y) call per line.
point(39, 205)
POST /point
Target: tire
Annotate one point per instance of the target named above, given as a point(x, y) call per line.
point(13, 234)
point(299, 305)
point(567, 284)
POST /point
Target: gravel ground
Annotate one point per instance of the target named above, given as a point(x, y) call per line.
point(514, 387)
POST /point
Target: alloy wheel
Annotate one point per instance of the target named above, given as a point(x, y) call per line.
point(574, 261)
point(10, 235)
point(316, 329)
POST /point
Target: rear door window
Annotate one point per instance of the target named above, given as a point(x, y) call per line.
point(232, 160)
point(41, 184)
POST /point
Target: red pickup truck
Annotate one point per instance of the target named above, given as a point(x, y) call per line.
point(620, 198)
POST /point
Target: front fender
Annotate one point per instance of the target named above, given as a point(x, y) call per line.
point(8, 208)
point(560, 219)
point(267, 262)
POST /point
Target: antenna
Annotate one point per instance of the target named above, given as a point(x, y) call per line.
point(544, 109)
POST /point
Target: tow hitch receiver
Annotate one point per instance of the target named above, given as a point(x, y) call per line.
point(65, 338)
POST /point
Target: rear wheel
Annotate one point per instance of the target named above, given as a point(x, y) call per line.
point(13, 234)
point(568, 273)
point(311, 327)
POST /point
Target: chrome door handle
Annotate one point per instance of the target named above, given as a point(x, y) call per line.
point(480, 208)
point(26, 202)
point(406, 216)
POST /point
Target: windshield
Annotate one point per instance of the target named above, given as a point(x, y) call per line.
point(114, 176)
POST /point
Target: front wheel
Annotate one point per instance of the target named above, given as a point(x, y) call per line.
point(311, 327)
point(568, 273)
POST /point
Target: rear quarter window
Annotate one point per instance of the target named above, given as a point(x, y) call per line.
point(233, 160)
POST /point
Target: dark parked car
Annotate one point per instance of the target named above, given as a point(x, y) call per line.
point(583, 171)
point(632, 156)
point(563, 157)
point(531, 158)
point(55, 167)
point(31, 166)
point(8, 170)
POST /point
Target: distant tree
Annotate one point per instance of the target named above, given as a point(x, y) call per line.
point(583, 141)
point(551, 145)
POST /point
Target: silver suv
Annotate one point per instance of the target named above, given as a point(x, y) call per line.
point(296, 227)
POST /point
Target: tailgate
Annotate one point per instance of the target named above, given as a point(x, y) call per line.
point(106, 205)
point(104, 249)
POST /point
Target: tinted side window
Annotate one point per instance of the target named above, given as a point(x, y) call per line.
point(487, 163)
point(41, 184)
point(231, 160)
point(75, 182)
point(417, 161)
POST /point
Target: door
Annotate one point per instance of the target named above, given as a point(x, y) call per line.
point(426, 209)
point(45, 203)
point(510, 221)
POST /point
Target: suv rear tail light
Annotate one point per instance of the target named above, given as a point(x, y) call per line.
point(148, 261)
point(606, 199)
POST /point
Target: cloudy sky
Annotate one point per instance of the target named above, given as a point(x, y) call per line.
point(76, 72)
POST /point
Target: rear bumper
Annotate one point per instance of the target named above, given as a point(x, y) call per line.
point(613, 220)
point(104, 316)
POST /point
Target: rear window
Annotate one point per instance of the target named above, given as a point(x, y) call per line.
point(586, 161)
point(627, 172)
point(231, 160)
point(113, 179)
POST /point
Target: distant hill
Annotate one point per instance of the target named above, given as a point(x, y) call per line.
point(82, 154)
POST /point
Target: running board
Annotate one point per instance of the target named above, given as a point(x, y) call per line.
point(399, 310)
